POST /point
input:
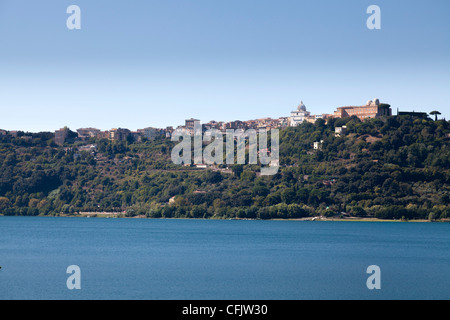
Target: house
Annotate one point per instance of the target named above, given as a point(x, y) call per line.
point(168, 132)
point(318, 145)
point(89, 148)
point(338, 131)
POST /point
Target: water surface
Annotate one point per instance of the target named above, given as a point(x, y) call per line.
point(221, 259)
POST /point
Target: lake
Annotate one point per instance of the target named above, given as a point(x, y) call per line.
point(175, 259)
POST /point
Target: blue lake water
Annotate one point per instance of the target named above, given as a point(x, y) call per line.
point(221, 259)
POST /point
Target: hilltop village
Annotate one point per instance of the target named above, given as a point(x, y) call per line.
point(359, 162)
point(372, 109)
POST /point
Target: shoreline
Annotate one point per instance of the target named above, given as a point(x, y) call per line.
point(310, 219)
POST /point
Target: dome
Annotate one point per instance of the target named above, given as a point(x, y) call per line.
point(369, 102)
point(301, 107)
point(376, 102)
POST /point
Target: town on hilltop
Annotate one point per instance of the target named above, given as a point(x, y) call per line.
point(359, 162)
point(372, 109)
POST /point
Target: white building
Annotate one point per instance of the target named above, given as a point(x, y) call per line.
point(299, 115)
point(318, 145)
point(338, 131)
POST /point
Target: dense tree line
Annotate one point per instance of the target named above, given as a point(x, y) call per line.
point(390, 168)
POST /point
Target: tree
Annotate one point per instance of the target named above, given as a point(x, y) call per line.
point(33, 203)
point(4, 203)
point(320, 123)
point(260, 190)
point(435, 113)
point(213, 176)
point(377, 169)
point(248, 175)
point(288, 195)
point(358, 212)
point(237, 169)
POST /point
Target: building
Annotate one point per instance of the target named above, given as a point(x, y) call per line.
point(422, 115)
point(61, 136)
point(190, 123)
point(298, 116)
point(168, 132)
point(372, 109)
point(318, 145)
point(252, 124)
point(150, 133)
point(136, 135)
point(301, 115)
point(119, 134)
point(26, 138)
point(189, 126)
point(324, 116)
point(212, 125)
point(338, 131)
point(103, 135)
point(283, 122)
point(311, 119)
point(268, 123)
point(237, 124)
point(86, 133)
point(92, 148)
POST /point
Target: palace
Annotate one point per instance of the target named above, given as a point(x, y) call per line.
point(372, 109)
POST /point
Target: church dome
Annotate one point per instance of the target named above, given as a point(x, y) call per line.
point(376, 102)
point(301, 107)
point(369, 102)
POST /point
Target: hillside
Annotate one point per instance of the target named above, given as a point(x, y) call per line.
point(390, 168)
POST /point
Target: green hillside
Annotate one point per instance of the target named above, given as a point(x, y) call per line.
point(390, 168)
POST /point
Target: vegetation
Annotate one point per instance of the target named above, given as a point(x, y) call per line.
point(389, 168)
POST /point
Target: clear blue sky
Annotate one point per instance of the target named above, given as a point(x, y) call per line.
point(141, 63)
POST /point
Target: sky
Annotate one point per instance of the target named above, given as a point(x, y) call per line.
point(144, 63)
